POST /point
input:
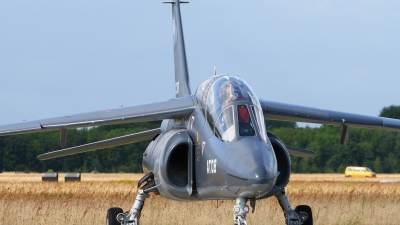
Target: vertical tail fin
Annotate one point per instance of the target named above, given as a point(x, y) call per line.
point(182, 83)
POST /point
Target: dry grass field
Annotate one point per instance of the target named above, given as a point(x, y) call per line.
point(333, 198)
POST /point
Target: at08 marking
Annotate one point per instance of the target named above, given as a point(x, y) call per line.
point(211, 166)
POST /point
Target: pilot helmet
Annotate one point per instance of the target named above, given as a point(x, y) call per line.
point(230, 91)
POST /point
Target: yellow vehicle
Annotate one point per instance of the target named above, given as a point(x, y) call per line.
point(358, 171)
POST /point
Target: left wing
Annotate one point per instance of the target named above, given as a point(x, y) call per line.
point(295, 113)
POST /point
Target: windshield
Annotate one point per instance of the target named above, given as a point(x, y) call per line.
point(225, 126)
point(260, 121)
point(246, 127)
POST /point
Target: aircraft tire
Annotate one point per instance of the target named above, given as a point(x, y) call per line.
point(306, 209)
point(111, 218)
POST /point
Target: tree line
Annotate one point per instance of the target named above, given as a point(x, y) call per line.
point(378, 150)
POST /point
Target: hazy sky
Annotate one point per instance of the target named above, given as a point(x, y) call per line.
point(66, 57)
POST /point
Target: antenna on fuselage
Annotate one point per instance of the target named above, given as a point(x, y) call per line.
point(182, 83)
point(215, 70)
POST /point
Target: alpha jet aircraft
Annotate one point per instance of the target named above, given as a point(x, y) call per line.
point(212, 145)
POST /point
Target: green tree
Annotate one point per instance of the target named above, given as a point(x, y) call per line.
point(9, 159)
point(272, 124)
point(377, 149)
point(1, 155)
point(392, 111)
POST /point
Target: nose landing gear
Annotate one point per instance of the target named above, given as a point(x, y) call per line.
point(240, 211)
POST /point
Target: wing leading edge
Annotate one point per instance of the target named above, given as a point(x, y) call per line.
point(171, 109)
point(300, 151)
point(295, 113)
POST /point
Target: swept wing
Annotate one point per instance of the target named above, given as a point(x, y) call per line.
point(295, 113)
point(171, 109)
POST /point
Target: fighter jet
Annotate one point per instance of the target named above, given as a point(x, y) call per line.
point(212, 144)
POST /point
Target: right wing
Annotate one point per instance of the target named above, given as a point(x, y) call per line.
point(171, 109)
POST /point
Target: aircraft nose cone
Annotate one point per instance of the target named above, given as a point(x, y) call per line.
point(252, 166)
point(263, 181)
point(259, 172)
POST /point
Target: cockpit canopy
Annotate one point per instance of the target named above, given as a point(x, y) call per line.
point(231, 108)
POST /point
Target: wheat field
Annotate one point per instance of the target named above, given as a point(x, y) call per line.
point(333, 198)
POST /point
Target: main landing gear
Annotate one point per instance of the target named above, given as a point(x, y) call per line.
point(302, 215)
point(115, 216)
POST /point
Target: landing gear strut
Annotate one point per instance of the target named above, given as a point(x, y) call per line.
point(302, 215)
point(132, 217)
point(240, 211)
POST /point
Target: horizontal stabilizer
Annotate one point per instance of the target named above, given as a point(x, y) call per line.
point(123, 140)
point(300, 152)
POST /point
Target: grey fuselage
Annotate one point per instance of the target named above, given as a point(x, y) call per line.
point(229, 158)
